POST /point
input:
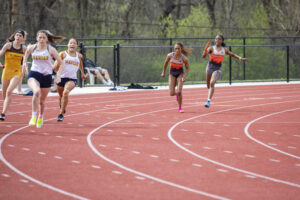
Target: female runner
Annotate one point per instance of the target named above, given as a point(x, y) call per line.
point(177, 75)
point(40, 77)
point(14, 50)
point(72, 60)
point(214, 66)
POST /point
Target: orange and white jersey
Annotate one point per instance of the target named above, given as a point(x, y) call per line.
point(216, 57)
point(176, 63)
point(71, 66)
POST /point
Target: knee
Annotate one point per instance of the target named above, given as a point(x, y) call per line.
point(9, 93)
point(37, 93)
point(179, 93)
point(212, 85)
point(66, 93)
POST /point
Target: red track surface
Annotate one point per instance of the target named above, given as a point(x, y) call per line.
point(135, 145)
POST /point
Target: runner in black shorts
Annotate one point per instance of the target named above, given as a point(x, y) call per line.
point(72, 61)
point(177, 75)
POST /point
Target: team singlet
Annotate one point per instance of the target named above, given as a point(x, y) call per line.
point(216, 57)
point(176, 64)
point(12, 63)
point(42, 61)
point(71, 66)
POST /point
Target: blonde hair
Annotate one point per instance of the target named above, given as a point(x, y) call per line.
point(53, 39)
point(184, 50)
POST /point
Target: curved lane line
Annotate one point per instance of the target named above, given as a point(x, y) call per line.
point(222, 164)
point(29, 177)
point(141, 173)
point(259, 142)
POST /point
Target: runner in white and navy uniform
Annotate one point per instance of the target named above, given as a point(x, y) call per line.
point(214, 66)
point(177, 75)
point(73, 61)
point(39, 78)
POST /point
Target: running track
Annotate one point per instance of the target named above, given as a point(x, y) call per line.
point(135, 145)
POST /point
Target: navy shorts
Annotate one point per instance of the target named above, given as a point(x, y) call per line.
point(176, 72)
point(63, 81)
point(44, 80)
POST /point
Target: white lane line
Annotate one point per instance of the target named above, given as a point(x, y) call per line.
point(296, 135)
point(74, 139)
point(274, 160)
point(96, 166)
point(249, 156)
point(24, 181)
point(155, 138)
point(58, 157)
point(11, 145)
point(187, 144)
point(135, 152)
point(25, 149)
point(246, 131)
point(154, 156)
point(42, 153)
point(208, 148)
point(292, 147)
point(89, 141)
point(5, 175)
point(236, 138)
point(222, 164)
point(102, 145)
point(196, 165)
point(277, 133)
point(118, 148)
point(116, 172)
point(124, 133)
point(59, 136)
point(228, 151)
point(140, 178)
point(75, 161)
point(250, 176)
point(173, 160)
point(222, 170)
point(29, 177)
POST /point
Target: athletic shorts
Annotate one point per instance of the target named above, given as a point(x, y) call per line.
point(63, 81)
point(211, 68)
point(176, 72)
point(44, 80)
point(8, 73)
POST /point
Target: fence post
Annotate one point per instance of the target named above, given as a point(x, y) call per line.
point(82, 51)
point(230, 72)
point(95, 51)
point(244, 55)
point(287, 63)
point(118, 63)
point(114, 66)
point(171, 44)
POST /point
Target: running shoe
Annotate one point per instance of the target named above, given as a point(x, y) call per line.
point(60, 118)
point(39, 123)
point(207, 104)
point(32, 121)
point(180, 110)
point(2, 116)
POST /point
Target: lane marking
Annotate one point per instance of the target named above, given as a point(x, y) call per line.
point(31, 178)
point(246, 131)
point(222, 164)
